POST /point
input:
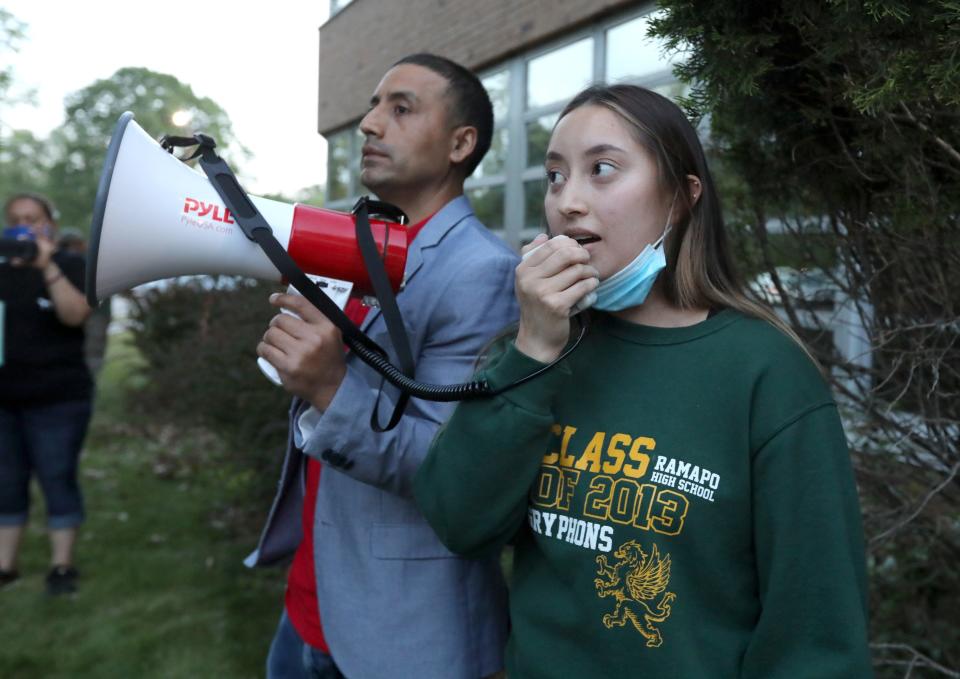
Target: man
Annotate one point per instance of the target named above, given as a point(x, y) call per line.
point(392, 601)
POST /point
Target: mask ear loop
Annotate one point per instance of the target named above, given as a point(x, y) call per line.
point(669, 225)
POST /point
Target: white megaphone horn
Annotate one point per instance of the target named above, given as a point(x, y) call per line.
point(156, 218)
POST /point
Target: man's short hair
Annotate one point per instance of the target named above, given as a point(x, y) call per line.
point(471, 103)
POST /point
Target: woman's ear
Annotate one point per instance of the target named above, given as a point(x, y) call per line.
point(464, 142)
point(695, 188)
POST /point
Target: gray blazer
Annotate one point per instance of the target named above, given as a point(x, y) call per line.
point(394, 602)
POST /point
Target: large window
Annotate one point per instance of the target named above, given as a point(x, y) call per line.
point(528, 92)
point(343, 167)
point(559, 74)
point(487, 187)
point(339, 157)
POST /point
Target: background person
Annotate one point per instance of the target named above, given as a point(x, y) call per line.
point(682, 480)
point(392, 600)
point(45, 391)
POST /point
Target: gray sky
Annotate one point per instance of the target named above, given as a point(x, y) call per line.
point(272, 50)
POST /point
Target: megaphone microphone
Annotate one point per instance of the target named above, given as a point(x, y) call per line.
point(155, 218)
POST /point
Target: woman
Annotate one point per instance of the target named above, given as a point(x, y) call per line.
point(679, 489)
point(45, 390)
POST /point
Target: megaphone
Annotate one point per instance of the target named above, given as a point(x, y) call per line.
point(155, 217)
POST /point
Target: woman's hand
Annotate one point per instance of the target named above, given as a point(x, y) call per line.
point(44, 257)
point(549, 283)
point(45, 250)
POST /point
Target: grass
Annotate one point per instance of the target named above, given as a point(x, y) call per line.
point(163, 592)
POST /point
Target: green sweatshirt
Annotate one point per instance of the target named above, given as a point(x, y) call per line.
point(681, 500)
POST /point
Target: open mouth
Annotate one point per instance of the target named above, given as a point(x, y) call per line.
point(584, 240)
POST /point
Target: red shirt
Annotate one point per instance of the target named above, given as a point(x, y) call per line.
point(301, 602)
point(301, 596)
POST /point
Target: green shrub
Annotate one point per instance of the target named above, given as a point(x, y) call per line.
point(197, 340)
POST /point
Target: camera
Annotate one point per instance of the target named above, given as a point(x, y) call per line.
point(17, 242)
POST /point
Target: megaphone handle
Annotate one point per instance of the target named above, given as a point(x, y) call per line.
point(298, 279)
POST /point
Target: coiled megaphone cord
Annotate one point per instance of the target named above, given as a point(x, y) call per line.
point(451, 392)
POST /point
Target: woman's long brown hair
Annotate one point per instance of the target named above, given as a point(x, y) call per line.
point(700, 272)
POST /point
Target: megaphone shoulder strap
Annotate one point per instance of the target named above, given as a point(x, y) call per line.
point(256, 228)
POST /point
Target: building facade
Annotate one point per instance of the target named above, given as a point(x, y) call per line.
point(531, 56)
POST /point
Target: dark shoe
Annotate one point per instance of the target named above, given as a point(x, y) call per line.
point(62, 580)
point(8, 577)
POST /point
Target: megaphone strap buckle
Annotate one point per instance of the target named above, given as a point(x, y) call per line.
point(169, 142)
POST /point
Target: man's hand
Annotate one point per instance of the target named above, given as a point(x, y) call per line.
point(306, 351)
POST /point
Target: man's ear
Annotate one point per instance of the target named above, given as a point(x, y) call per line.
point(463, 143)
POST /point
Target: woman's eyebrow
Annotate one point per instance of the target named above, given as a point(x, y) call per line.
point(553, 155)
point(595, 150)
point(602, 148)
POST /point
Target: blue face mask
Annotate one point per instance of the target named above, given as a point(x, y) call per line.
point(630, 286)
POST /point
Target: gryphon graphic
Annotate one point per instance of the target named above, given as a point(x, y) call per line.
point(645, 579)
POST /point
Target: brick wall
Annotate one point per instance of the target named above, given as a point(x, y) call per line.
point(359, 44)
